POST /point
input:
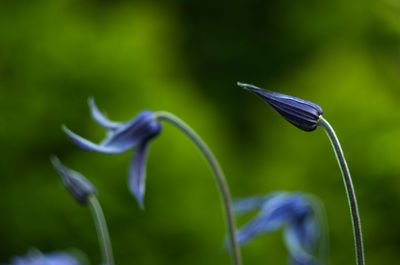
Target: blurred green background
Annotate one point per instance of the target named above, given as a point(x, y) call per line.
point(185, 57)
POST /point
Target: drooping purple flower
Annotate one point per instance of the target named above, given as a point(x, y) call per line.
point(121, 137)
point(37, 258)
point(301, 113)
point(291, 211)
point(76, 184)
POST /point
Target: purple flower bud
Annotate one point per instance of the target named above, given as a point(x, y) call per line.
point(301, 113)
point(121, 137)
point(292, 212)
point(76, 184)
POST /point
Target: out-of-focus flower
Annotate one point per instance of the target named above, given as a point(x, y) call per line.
point(121, 137)
point(294, 212)
point(76, 184)
point(299, 112)
point(37, 258)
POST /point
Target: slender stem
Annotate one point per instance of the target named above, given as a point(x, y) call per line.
point(102, 231)
point(218, 173)
point(351, 196)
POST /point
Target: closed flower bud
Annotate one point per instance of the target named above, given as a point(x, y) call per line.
point(76, 184)
point(301, 113)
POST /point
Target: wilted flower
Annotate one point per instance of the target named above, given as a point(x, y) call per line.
point(121, 137)
point(76, 184)
point(37, 258)
point(294, 212)
point(299, 112)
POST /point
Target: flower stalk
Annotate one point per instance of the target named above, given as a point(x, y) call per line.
point(84, 193)
point(351, 196)
point(306, 116)
point(218, 173)
point(102, 231)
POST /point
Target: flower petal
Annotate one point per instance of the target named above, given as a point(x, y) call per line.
point(270, 218)
point(137, 172)
point(279, 210)
point(35, 257)
point(302, 234)
point(258, 226)
point(100, 118)
point(245, 205)
point(294, 237)
point(90, 146)
point(295, 212)
point(141, 128)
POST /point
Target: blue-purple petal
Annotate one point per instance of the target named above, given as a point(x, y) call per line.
point(293, 212)
point(86, 145)
point(141, 128)
point(37, 258)
point(277, 211)
point(261, 224)
point(121, 137)
point(137, 172)
point(244, 205)
point(100, 118)
point(303, 232)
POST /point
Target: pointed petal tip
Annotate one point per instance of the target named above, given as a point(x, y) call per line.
point(89, 146)
point(54, 159)
point(248, 86)
point(92, 104)
point(82, 143)
point(242, 85)
point(141, 205)
point(99, 117)
point(65, 129)
point(90, 100)
point(68, 132)
point(139, 199)
point(58, 166)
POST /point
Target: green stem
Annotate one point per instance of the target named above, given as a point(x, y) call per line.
point(351, 196)
point(102, 231)
point(218, 173)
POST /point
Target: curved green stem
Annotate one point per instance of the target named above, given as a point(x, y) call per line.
point(218, 173)
point(351, 196)
point(102, 231)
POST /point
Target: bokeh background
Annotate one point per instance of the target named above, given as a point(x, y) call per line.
point(185, 57)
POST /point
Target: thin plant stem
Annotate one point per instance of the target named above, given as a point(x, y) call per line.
point(218, 173)
point(351, 196)
point(102, 231)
